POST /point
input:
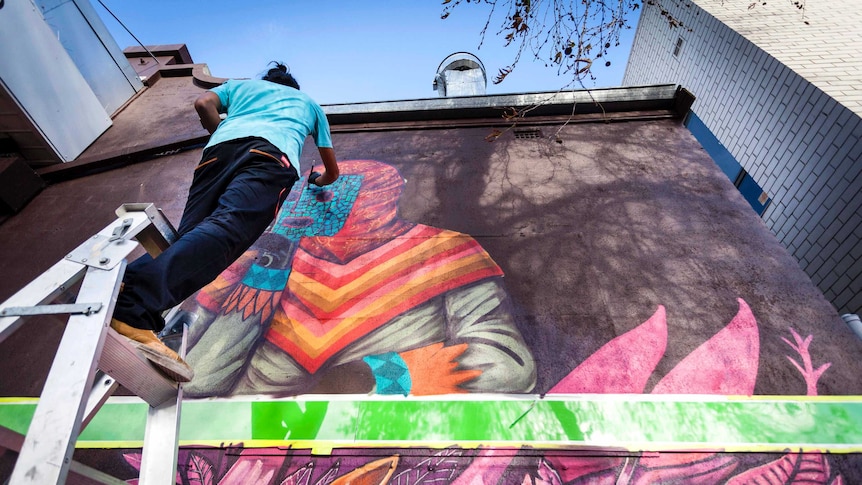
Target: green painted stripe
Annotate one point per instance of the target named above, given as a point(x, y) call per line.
point(627, 422)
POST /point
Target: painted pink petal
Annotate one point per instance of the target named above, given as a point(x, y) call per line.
point(545, 476)
point(199, 470)
point(253, 469)
point(438, 468)
point(624, 364)
point(487, 467)
point(809, 373)
point(301, 476)
point(688, 468)
point(811, 468)
point(601, 470)
point(135, 459)
point(725, 364)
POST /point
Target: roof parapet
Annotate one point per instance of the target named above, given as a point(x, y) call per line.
point(668, 97)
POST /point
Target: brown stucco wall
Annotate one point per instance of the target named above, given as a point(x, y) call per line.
point(593, 234)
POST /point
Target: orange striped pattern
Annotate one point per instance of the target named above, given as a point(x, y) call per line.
point(331, 305)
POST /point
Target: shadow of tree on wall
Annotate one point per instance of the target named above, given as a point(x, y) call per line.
point(594, 233)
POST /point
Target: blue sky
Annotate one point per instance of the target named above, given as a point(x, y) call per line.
point(340, 51)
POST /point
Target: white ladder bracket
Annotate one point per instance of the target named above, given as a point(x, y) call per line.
point(70, 308)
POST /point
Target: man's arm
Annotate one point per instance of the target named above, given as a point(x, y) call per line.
point(208, 105)
point(330, 163)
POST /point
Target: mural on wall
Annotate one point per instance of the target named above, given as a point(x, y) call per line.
point(341, 293)
point(726, 364)
point(458, 466)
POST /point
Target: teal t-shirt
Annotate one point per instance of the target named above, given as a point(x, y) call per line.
point(279, 114)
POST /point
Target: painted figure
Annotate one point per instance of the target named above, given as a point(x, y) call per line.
point(343, 295)
point(248, 166)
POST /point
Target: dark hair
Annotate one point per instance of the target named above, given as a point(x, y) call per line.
point(280, 75)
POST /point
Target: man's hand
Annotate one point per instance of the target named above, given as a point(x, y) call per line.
point(312, 178)
point(330, 164)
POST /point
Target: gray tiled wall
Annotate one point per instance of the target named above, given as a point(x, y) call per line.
point(800, 145)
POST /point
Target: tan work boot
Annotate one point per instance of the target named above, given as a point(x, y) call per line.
point(155, 351)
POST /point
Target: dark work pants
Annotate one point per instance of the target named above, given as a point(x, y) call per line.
point(235, 194)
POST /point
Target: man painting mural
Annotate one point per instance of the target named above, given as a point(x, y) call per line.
point(342, 295)
point(247, 169)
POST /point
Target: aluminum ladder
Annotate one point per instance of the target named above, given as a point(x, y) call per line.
point(93, 359)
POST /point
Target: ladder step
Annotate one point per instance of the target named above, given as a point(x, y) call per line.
point(122, 361)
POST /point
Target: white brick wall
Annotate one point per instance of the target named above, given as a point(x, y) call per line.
point(800, 144)
point(825, 50)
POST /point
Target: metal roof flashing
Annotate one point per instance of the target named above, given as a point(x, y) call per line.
point(667, 97)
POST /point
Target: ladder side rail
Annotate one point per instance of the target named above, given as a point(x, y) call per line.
point(161, 443)
point(162, 436)
point(46, 454)
point(81, 474)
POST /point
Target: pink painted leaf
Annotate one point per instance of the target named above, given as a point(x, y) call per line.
point(439, 468)
point(809, 468)
point(200, 470)
point(487, 467)
point(598, 470)
point(688, 468)
point(135, 459)
point(725, 364)
point(809, 373)
point(252, 469)
point(628, 469)
point(301, 476)
point(813, 468)
point(546, 476)
point(624, 364)
point(330, 474)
